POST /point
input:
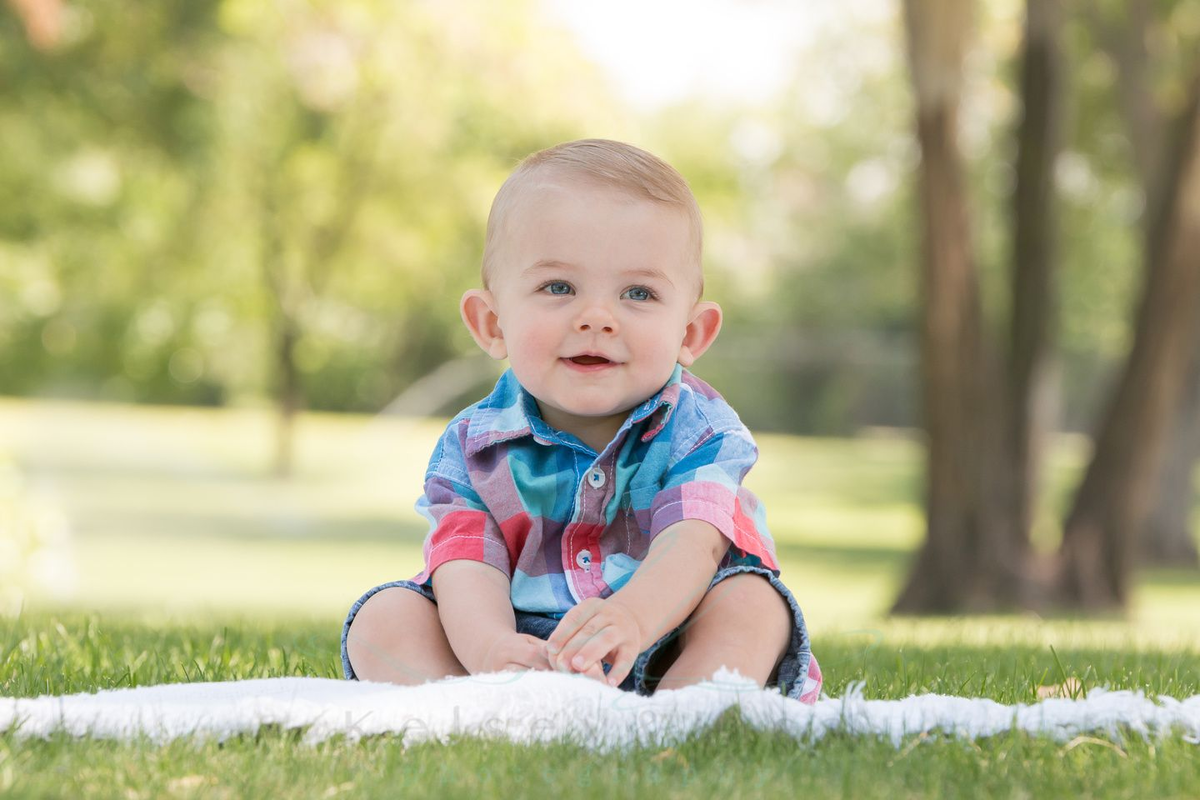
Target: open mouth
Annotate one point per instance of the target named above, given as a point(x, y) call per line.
point(589, 361)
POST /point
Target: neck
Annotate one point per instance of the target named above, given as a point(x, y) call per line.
point(595, 432)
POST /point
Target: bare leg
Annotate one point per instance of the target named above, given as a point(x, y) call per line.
point(397, 637)
point(742, 624)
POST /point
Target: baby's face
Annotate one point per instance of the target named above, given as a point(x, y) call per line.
point(594, 291)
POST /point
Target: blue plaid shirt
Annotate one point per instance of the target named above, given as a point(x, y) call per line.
point(566, 523)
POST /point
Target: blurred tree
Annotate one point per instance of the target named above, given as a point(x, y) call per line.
point(304, 135)
point(979, 486)
point(981, 439)
point(1167, 538)
point(99, 177)
point(363, 141)
point(130, 253)
point(1113, 503)
point(807, 234)
point(1034, 277)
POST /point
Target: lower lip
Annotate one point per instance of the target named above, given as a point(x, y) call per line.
point(589, 367)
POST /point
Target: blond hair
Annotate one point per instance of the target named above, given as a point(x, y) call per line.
point(610, 163)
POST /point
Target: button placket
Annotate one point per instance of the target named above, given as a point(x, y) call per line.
point(596, 478)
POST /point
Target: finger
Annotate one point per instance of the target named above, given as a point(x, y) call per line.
point(570, 624)
point(529, 652)
point(535, 655)
point(626, 656)
point(596, 672)
point(527, 660)
point(588, 636)
point(594, 649)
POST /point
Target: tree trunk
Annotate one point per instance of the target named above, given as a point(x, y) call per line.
point(1034, 292)
point(1113, 502)
point(289, 396)
point(964, 562)
point(1168, 539)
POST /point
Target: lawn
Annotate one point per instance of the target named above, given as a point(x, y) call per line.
point(184, 560)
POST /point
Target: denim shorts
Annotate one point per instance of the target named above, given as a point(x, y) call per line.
point(799, 677)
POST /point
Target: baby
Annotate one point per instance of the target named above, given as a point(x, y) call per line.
point(588, 515)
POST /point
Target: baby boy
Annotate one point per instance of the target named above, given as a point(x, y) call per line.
point(588, 515)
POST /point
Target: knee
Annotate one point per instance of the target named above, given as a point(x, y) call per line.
point(383, 606)
point(763, 601)
point(747, 602)
point(385, 618)
point(396, 636)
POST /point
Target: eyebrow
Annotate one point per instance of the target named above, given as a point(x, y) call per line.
point(643, 272)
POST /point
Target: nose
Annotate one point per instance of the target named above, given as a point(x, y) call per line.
point(596, 318)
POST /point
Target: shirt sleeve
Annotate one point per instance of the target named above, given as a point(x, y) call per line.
point(706, 484)
point(460, 525)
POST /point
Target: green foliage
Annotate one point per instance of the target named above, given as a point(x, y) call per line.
point(181, 176)
point(185, 181)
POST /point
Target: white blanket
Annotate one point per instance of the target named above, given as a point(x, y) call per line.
point(546, 706)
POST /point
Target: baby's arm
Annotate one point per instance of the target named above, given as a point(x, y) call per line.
point(673, 578)
point(475, 609)
point(662, 592)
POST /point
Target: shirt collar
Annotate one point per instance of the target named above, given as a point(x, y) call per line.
point(510, 412)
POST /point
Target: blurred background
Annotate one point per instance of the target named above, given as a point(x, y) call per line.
point(234, 234)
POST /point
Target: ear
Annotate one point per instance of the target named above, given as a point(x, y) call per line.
point(701, 332)
point(478, 309)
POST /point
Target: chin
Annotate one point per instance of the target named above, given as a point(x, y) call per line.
point(592, 411)
point(595, 409)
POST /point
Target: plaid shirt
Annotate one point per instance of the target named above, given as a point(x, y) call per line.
point(565, 523)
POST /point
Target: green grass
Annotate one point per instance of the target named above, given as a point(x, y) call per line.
point(188, 562)
point(731, 761)
point(81, 652)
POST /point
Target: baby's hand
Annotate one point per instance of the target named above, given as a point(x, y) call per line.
point(595, 671)
point(520, 651)
point(515, 651)
point(596, 630)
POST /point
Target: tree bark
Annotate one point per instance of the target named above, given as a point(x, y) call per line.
point(1112, 505)
point(293, 283)
point(965, 562)
point(1168, 540)
point(1034, 291)
point(289, 394)
point(288, 385)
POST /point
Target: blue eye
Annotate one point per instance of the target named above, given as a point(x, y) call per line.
point(639, 293)
point(557, 287)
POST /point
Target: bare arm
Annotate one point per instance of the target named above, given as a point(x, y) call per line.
point(673, 578)
point(663, 591)
point(475, 608)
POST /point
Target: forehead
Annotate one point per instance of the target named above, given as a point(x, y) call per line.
point(585, 223)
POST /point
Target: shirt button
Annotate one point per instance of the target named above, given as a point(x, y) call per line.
point(584, 560)
point(596, 478)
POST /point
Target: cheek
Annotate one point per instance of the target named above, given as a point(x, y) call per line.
point(659, 336)
point(531, 340)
